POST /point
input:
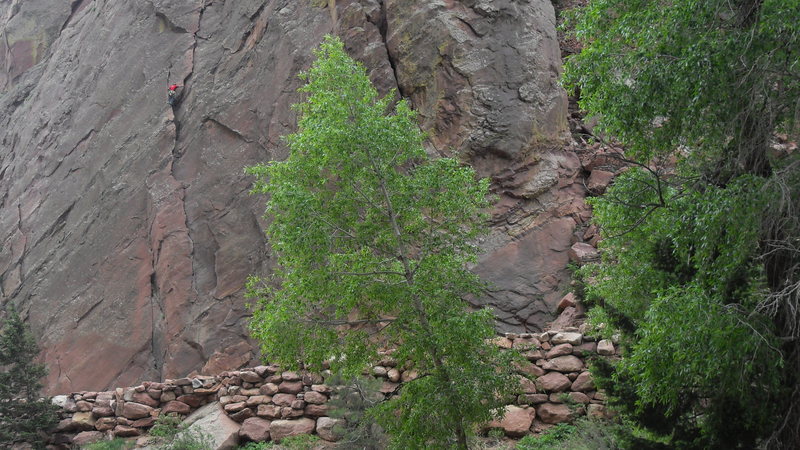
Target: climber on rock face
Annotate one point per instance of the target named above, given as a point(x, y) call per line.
point(172, 94)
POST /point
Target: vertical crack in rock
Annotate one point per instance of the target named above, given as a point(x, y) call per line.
point(383, 28)
point(156, 317)
point(258, 25)
point(75, 6)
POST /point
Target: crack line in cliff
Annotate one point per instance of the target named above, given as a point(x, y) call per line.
point(383, 29)
point(73, 9)
point(234, 131)
point(253, 18)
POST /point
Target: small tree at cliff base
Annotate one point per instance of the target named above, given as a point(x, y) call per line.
point(373, 240)
point(24, 415)
point(701, 272)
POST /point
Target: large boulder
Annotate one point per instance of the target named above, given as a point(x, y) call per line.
point(554, 413)
point(255, 429)
point(553, 382)
point(330, 429)
point(212, 421)
point(516, 421)
point(280, 429)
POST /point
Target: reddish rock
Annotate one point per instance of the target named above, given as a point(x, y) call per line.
point(502, 342)
point(145, 422)
point(177, 229)
point(393, 375)
point(529, 369)
point(567, 318)
point(83, 406)
point(255, 429)
point(582, 253)
point(315, 397)
point(126, 431)
point(568, 363)
point(242, 415)
point(290, 413)
point(566, 302)
point(321, 388)
point(145, 399)
point(516, 422)
point(87, 437)
point(532, 399)
point(155, 394)
point(168, 396)
point(269, 411)
point(554, 413)
point(102, 411)
point(298, 404)
point(605, 347)
point(408, 375)
point(567, 337)
point(105, 423)
point(316, 410)
point(583, 383)
point(231, 408)
point(192, 400)
point(587, 348)
point(280, 429)
point(258, 399)
point(283, 399)
point(291, 387)
point(526, 343)
point(553, 382)
point(291, 376)
point(330, 429)
point(580, 397)
point(527, 386)
point(176, 407)
point(268, 389)
point(211, 420)
point(251, 377)
point(599, 181)
point(133, 410)
point(599, 411)
point(559, 350)
point(388, 387)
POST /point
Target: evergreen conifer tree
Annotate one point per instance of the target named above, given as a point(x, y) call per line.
point(24, 415)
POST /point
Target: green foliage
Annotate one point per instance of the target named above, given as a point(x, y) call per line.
point(257, 446)
point(299, 442)
point(373, 240)
point(24, 415)
point(496, 433)
point(166, 426)
point(114, 444)
point(701, 266)
point(696, 74)
point(172, 434)
point(350, 401)
point(585, 434)
point(547, 439)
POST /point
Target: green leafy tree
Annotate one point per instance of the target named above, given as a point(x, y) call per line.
point(701, 271)
point(24, 415)
point(373, 240)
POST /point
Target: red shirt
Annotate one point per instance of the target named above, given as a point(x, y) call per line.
point(173, 87)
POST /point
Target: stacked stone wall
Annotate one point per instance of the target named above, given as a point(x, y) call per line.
point(270, 404)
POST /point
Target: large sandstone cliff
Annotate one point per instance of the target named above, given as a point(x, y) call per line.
point(126, 228)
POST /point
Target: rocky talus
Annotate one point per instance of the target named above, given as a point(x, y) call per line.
point(126, 231)
point(266, 403)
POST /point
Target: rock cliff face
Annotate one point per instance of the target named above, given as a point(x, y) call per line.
point(126, 228)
